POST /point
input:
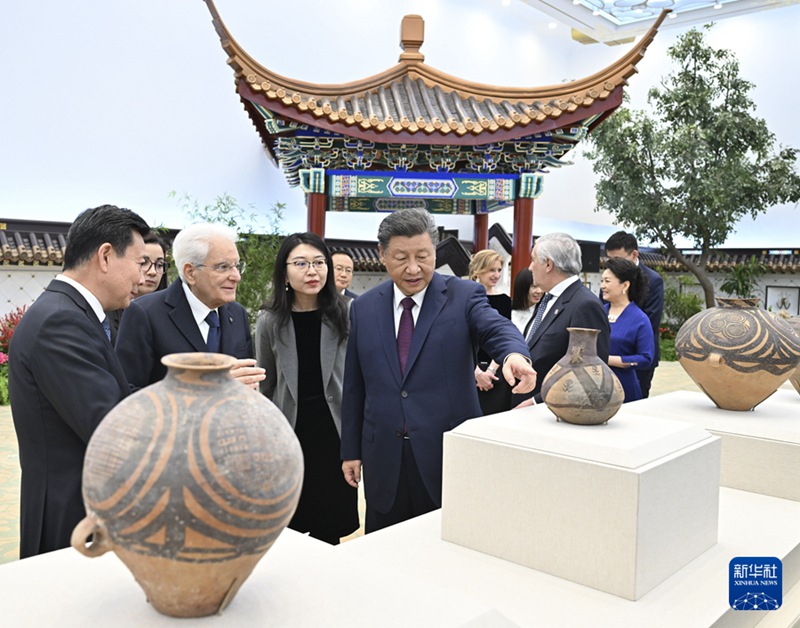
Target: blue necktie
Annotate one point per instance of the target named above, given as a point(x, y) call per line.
point(107, 327)
point(213, 332)
point(537, 318)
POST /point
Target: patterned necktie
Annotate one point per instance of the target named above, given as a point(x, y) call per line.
point(107, 328)
point(213, 331)
point(537, 318)
point(404, 332)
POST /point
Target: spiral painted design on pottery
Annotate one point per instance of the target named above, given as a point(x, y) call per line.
point(747, 339)
point(194, 478)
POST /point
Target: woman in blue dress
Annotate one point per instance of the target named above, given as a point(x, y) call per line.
point(624, 289)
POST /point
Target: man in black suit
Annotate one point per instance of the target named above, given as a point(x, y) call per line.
point(64, 376)
point(197, 312)
point(555, 264)
point(343, 265)
point(624, 245)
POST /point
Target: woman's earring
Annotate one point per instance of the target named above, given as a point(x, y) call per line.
point(287, 287)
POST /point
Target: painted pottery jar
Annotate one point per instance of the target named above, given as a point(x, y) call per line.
point(190, 481)
point(737, 353)
point(581, 388)
point(794, 323)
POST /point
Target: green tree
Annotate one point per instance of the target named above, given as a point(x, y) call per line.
point(258, 242)
point(743, 278)
point(697, 162)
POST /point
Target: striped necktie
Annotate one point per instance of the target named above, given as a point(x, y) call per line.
point(537, 318)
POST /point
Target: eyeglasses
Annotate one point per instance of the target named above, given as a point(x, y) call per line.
point(342, 269)
point(302, 265)
point(147, 264)
point(225, 268)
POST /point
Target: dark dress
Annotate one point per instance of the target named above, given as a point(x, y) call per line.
point(328, 507)
point(498, 399)
point(632, 340)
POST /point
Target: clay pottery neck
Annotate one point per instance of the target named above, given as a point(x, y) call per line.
point(737, 302)
point(201, 370)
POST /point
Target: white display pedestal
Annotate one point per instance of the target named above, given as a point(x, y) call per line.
point(760, 448)
point(618, 507)
point(407, 576)
point(301, 582)
point(694, 597)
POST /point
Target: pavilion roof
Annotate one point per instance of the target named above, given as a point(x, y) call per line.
point(415, 103)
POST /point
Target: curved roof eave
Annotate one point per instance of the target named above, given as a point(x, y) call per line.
point(412, 97)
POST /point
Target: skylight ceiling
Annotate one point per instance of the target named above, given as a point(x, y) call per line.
point(614, 21)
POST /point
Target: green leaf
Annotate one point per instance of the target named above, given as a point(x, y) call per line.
point(697, 161)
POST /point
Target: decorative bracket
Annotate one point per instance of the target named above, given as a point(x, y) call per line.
point(530, 185)
point(312, 180)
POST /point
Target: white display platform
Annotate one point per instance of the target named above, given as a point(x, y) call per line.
point(760, 448)
point(619, 507)
point(407, 576)
point(695, 597)
point(300, 583)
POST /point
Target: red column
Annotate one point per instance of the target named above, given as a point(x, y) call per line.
point(480, 236)
point(317, 206)
point(523, 234)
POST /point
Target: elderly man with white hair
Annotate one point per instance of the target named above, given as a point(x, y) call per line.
point(556, 263)
point(197, 312)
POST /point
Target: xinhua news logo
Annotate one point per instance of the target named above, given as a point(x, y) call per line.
point(755, 583)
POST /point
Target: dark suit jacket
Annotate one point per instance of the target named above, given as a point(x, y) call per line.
point(350, 293)
point(576, 307)
point(63, 379)
point(438, 390)
point(654, 308)
point(161, 323)
point(276, 351)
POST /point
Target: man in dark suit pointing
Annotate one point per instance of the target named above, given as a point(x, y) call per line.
point(64, 376)
point(409, 371)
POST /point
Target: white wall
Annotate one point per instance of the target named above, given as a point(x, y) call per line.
point(123, 102)
point(21, 285)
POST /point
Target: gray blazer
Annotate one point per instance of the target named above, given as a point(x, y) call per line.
point(276, 352)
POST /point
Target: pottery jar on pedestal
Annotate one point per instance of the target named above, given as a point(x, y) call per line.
point(737, 353)
point(190, 481)
point(581, 388)
point(794, 323)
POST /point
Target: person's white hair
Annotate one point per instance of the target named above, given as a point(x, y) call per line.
point(191, 244)
point(562, 249)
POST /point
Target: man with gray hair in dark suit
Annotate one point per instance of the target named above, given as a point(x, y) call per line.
point(197, 312)
point(566, 302)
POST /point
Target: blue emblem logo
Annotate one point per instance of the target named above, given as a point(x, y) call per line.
point(755, 583)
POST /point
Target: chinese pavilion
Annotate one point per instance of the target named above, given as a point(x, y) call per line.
point(413, 136)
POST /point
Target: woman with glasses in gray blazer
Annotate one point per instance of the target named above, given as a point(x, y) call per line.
point(301, 340)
